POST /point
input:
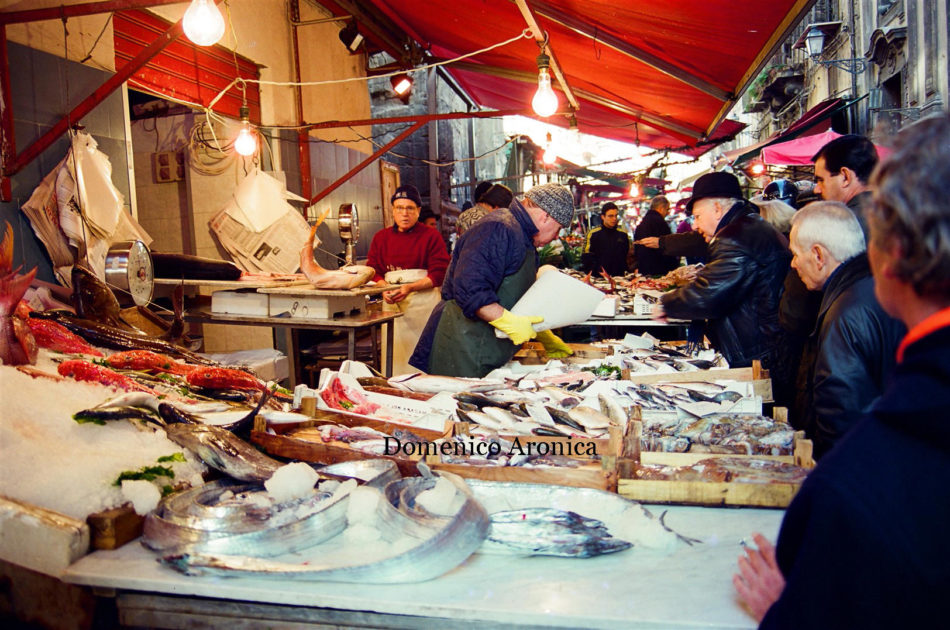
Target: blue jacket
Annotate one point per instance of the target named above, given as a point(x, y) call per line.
point(864, 544)
point(493, 248)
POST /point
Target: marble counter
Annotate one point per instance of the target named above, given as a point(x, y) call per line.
point(690, 588)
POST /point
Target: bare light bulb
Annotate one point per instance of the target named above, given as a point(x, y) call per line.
point(545, 100)
point(402, 85)
point(758, 169)
point(549, 156)
point(634, 190)
point(203, 23)
point(246, 142)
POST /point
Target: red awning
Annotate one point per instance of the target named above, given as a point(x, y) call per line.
point(815, 121)
point(663, 73)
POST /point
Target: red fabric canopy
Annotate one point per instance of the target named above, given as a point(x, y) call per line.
point(798, 151)
point(663, 73)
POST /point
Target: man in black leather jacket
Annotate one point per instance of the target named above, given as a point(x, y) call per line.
point(739, 288)
point(854, 341)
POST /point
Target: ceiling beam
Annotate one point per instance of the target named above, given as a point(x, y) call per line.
point(541, 37)
point(652, 120)
point(586, 29)
point(78, 10)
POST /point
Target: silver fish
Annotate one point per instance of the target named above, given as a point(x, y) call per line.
point(444, 543)
point(429, 384)
point(550, 532)
point(223, 451)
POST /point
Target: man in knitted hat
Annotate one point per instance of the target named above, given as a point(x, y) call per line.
point(412, 257)
point(493, 265)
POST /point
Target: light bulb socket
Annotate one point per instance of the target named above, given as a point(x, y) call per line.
point(572, 123)
point(544, 61)
point(244, 113)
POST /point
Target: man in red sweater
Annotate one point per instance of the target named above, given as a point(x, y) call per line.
point(408, 245)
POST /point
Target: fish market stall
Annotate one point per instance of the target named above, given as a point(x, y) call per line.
point(686, 586)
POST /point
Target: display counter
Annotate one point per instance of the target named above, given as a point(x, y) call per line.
point(688, 588)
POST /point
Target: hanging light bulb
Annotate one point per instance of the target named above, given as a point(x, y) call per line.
point(545, 100)
point(572, 127)
point(549, 156)
point(203, 23)
point(634, 189)
point(757, 169)
point(246, 142)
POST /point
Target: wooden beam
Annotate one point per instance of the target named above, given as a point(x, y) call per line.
point(540, 36)
point(78, 10)
point(334, 124)
point(586, 29)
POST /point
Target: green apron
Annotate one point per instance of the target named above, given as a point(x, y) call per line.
point(469, 347)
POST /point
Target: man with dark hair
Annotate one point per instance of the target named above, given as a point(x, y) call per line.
point(607, 246)
point(842, 169)
point(483, 205)
point(864, 542)
point(651, 262)
point(738, 290)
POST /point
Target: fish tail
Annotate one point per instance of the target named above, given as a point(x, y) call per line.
point(12, 287)
point(6, 250)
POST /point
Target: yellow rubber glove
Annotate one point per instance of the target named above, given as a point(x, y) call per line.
point(554, 346)
point(517, 327)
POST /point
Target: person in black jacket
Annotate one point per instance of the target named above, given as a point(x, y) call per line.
point(854, 340)
point(651, 262)
point(864, 542)
point(842, 169)
point(607, 246)
point(739, 288)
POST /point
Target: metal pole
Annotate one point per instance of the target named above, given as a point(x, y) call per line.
point(435, 194)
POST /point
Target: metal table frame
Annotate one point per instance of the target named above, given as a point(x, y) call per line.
point(373, 320)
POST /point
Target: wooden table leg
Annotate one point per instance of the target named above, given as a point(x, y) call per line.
point(294, 373)
point(389, 348)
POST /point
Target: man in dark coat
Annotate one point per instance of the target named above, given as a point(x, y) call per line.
point(864, 542)
point(739, 288)
point(842, 169)
point(607, 246)
point(854, 340)
point(651, 262)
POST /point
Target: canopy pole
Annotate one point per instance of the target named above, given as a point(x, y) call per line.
point(541, 38)
point(359, 167)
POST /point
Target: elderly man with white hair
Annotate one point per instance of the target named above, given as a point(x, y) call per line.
point(854, 340)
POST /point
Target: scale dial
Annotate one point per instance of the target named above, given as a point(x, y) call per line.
point(129, 268)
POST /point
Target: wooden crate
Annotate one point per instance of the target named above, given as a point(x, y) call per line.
point(532, 353)
point(761, 383)
point(706, 493)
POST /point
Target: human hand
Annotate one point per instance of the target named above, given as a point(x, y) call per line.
point(658, 313)
point(759, 581)
point(554, 346)
point(518, 327)
point(653, 242)
point(398, 294)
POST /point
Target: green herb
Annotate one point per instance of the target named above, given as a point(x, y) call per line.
point(81, 419)
point(346, 404)
point(167, 490)
point(146, 473)
point(174, 457)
